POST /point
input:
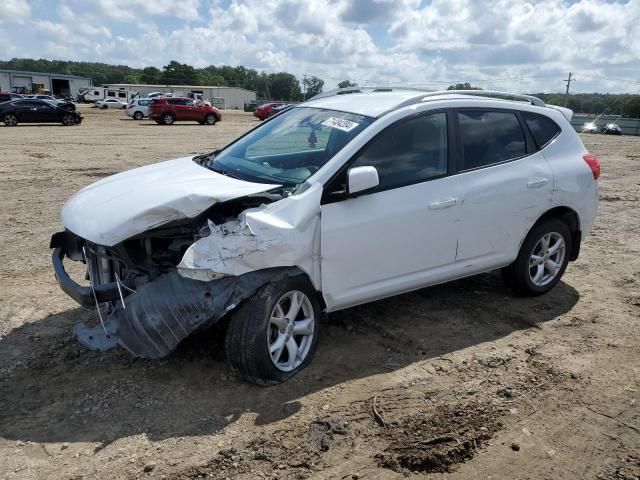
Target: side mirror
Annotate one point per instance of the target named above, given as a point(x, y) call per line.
point(360, 179)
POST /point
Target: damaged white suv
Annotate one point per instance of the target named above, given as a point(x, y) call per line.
point(356, 195)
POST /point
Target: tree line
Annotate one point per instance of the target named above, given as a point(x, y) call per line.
point(282, 85)
point(276, 86)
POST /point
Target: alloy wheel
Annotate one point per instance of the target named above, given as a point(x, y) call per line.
point(10, 120)
point(291, 330)
point(546, 259)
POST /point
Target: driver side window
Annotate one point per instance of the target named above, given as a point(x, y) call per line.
point(411, 151)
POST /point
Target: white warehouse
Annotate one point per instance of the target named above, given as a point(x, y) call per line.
point(33, 82)
point(232, 98)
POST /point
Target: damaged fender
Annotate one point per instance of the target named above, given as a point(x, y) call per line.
point(282, 234)
point(160, 314)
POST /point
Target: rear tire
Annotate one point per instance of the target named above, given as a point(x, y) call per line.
point(10, 120)
point(274, 334)
point(542, 260)
point(138, 116)
point(168, 119)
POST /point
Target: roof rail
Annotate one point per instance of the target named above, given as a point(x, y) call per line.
point(430, 93)
point(491, 94)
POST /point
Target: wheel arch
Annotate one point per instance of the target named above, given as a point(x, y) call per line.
point(571, 218)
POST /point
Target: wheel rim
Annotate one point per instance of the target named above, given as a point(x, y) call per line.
point(67, 119)
point(168, 119)
point(209, 119)
point(10, 120)
point(546, 259)
point(291, 331)
point(138, 116)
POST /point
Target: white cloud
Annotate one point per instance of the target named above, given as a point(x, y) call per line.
point(505, 45)
point(17, 11)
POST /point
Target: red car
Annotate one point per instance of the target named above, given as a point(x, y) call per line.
point(262, 111)
point(166, 110)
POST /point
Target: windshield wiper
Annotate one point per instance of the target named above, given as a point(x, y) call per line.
point(222, 171)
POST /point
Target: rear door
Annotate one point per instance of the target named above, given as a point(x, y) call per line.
point(506, 186)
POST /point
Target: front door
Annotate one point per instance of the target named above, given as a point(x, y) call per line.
point(402, 234)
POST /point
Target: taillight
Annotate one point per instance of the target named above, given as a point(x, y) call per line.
point(130, 105)
point(594, 164)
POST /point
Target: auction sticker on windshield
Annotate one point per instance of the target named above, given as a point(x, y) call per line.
point(340, 124)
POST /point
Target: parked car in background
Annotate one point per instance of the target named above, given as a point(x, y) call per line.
point(110, 103)
point(167, 110)
point(7, 97)
point(279, 109)
point(138, 108)
point(590, 127)
point(36, 111)
point(612, 129)
point(262, 112)
point(337, 202)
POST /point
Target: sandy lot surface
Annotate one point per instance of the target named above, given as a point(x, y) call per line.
point(458, 381)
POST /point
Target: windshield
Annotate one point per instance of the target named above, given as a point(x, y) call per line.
point(291, 147)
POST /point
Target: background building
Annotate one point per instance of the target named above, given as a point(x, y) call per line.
point(221, 97)
point(33, 82)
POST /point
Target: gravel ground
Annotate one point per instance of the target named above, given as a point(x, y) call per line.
point(457, 381)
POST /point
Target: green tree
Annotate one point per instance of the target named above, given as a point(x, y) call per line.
point(463, 86)
point(312, 86)
point(176, 73)
point(150, 75)
point(283, 86)
point(346, 84)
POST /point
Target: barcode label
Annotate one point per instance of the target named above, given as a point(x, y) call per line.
point(340, 124)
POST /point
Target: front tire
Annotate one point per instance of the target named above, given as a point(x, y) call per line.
point(210, 119)
point(274, 333)
point(10, 120)
point(68, 120)
point(542, 259)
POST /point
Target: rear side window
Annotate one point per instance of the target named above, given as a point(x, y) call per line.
point(542, 128)
point(489, 138)
point(409, 152)
point(177, 101)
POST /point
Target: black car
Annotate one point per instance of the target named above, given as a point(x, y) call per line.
point(612, 129)
point(36, 111)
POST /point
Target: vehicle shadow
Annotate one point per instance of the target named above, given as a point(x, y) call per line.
point(54, 390)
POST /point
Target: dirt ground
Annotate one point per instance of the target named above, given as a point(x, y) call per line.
point(459, 381)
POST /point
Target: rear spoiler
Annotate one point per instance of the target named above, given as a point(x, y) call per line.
point(567, 112)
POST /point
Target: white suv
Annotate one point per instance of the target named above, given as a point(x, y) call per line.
point(353, 196)
point(138, 108)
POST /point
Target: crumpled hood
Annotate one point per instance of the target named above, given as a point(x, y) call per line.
point(128, 203)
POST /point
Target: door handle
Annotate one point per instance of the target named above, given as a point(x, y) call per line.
point(445, 203)
point(537, 182)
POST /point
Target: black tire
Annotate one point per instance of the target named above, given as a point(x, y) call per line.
point(518, 275)
point(159, 122)
point(10, 120)
point(104, 107)
point(168, 119)
point(68, 119)
point(250, 328)
point(138, 116)
point(210, 119)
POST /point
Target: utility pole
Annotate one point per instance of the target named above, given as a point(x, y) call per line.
point(304, 87)
point(568, 82)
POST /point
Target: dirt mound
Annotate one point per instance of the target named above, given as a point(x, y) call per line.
point(439, 442)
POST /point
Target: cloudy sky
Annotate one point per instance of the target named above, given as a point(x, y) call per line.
point(502, 44)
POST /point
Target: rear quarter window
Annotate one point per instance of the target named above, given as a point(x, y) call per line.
point(542, 128)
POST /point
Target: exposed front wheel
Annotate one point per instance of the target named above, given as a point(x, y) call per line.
point(542, 259)
point(210, 119)
point(274, 334)
point(10, 120)
point(68, 120)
